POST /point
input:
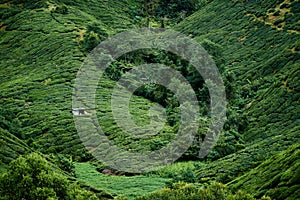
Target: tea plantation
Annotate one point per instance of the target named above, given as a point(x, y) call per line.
point(255, 46)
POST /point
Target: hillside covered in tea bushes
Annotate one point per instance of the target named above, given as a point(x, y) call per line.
point(255, 45)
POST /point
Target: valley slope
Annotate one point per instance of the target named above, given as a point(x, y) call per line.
point(254, 43)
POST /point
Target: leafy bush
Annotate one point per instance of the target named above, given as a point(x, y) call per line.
point(295, 7)
point(64, 163)
point(32, 177)
point(187, 176)
point(174, 8)
point(173, 11)
point(5, 13)
point(10, 122)
point(277, 13)
point(93, 36)
point(278, 21)
point(61, 9)
point(176, 168)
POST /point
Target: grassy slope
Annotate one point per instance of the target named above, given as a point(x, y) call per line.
point(139, 108)
point(119, 185)
point(264, 59)
point(278, 176)
point(40, 57)
point(11, 148)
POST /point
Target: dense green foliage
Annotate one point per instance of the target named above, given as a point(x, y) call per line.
point(169, 12)
point(281, 176)
point(32, 177)
point(185, 191)
point(45, 48)
point(255, 45)
point(263, 61)
point(230, 138)
point(11, 148)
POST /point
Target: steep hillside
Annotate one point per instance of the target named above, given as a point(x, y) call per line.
point(259, 44)
point(255, 45)
point(263, 59)
point(11, 148)
point(43, 45)
point(277, 177)
point(33, 177)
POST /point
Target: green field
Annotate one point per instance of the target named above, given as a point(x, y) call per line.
point(130, 187)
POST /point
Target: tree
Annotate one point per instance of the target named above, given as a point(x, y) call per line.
point(162, 9)
point(93, 36)
point(176, 8)
point(149, 9)
point(32, 177)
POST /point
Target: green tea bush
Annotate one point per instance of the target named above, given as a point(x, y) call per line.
point(64, 163)
point(10, 122)
point(278, 21)
point(295, 7)
point(187, 176)
point(176, 168)
point(185, 191)
point(6, 13)
point(31, 4)
point(61, 9)
point(281, 176)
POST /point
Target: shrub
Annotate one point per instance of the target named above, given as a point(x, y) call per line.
point(61, 9)
point(174, 8)
point(10, 122)
point(65, 164)
point(187, 176)
point(94, 35)
point(32, 177)
point(278, 21)
point(277, 13)
point(295, 7)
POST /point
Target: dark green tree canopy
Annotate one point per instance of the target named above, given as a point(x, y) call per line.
point(32, 177)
